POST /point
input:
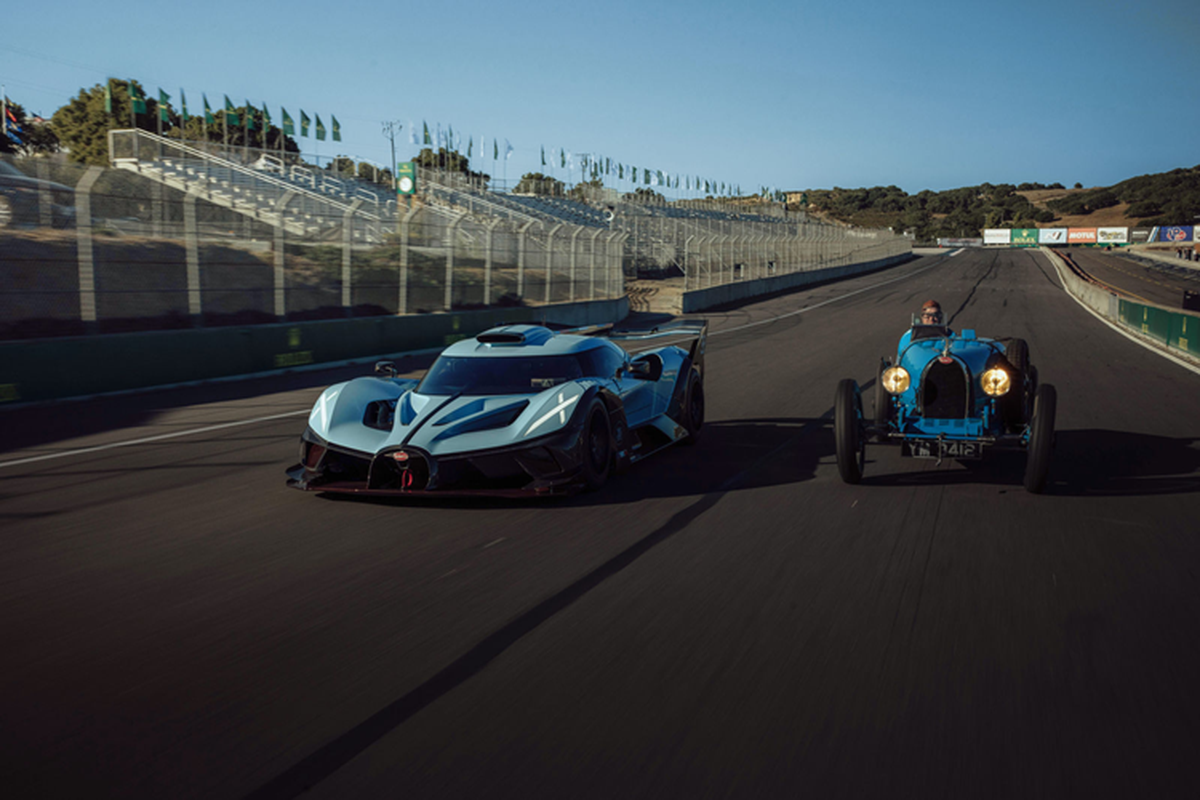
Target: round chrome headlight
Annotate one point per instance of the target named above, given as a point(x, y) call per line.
point(995, 382)
point(895, 379)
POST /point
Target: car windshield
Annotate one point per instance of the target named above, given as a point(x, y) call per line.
point(504, 375)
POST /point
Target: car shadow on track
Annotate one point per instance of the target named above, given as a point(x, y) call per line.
point(730, 455)
point(1105, 463)
point(1086, 463)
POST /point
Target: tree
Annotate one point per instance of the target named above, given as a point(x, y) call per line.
point(448, 161)
point(82, 125)
point(342, 165)
point(584, 191)
point(28, 135)
point(373, 174)
point(644, 195)
point(539, 184)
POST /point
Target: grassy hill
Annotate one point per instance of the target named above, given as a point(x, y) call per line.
point(1162, 199)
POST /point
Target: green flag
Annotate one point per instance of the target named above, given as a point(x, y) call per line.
point(320, 129)
point(209, 119)
point(266, 117)
point(183, 105)
point(495, 149)
point(470, 145)
point(163, 99)
point(108, 96)
point(230, 117)
point(620, 171)
point(337, 128)
point(289, 125)
point(304, 122)
point(543, 155)
point(137, 99)
point(450, 138)
point(425, 126)
point(562, 156)
point(250, 126)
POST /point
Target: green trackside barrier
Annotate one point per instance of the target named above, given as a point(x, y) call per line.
point(47, 369)
point(1176, 329)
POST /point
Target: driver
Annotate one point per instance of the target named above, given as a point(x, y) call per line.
point(931, 313)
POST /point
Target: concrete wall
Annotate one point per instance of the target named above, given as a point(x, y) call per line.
point(47, 369)
point(733, 292)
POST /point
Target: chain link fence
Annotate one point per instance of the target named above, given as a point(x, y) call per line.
point(182, 234)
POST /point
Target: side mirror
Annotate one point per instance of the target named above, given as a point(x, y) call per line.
point(385, 369)
point(646, 368)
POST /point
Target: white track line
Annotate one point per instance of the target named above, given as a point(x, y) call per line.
point(224, 425)
point(147, 439)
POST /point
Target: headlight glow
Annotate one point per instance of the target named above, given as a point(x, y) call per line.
point(896, 379)
point(995, 382)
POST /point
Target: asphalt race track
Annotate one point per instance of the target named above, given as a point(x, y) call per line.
point(728, 620)
point(1142, 280)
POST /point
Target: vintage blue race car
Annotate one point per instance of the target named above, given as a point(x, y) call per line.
point(950, 395)
point(519, 409)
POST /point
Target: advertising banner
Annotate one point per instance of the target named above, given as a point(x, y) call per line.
point(1142, 235)
point(1025, 236)
point(997, 236)
point(1052, 236)
point(1175, 233)
point(1112, 235)
point(1081, 235)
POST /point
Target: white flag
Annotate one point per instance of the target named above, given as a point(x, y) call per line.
point(508, 149)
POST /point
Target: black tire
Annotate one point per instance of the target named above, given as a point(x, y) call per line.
point(848, 431)
point(1016, 407)
point(1017, 354)
point(693, 411)
point(883, 403)
point(597, 447)
point(1041, 439)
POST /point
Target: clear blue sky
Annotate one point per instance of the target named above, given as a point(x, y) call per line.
point(931, 94)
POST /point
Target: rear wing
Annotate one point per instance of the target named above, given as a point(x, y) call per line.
point(694, 329)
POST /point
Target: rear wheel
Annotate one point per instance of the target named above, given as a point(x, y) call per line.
point(693, 418)
point(1041, 439)
point(597, 447)
point(848, 431)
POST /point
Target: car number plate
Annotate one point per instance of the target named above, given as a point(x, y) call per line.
point(918, 448)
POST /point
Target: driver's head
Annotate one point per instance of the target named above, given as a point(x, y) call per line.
point(931, 313)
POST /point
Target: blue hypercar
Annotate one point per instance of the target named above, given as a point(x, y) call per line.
point(950, 395)
point(519, 409)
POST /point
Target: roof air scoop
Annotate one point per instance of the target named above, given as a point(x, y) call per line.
point(501, 337)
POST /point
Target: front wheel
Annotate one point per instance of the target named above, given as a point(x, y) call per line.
point(848, 431)
point(597, 447)
point(1041, 439)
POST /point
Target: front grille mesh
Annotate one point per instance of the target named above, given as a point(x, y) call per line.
point(945, 391)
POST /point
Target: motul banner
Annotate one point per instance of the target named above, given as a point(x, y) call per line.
point(1052, 236)
point(1142, 235)
point(1024, 236)
point(1175, 233)
point(997, 236)
point(1081, 235)
point(1112, 235)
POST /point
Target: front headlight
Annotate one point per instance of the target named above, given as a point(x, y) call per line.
point(995, 382)
point(896, 379)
